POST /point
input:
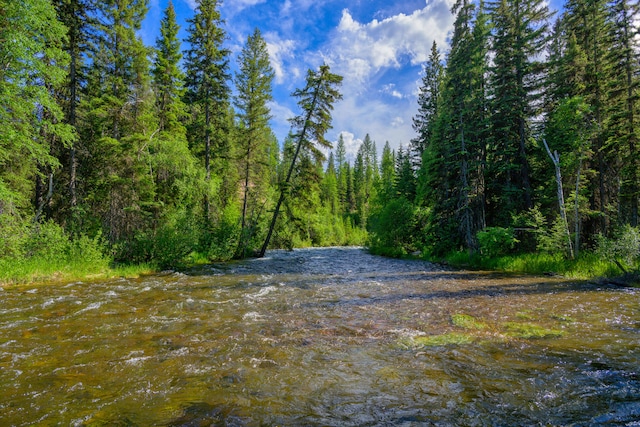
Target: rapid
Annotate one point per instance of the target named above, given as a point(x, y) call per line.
point(320, 337)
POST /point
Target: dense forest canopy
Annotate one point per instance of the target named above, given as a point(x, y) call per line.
point(526, 138)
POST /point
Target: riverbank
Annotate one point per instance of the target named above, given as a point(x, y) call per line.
point(39, 271)
point(586, 267)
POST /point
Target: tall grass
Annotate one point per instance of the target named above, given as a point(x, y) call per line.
point(46, 253)
point(587, 266)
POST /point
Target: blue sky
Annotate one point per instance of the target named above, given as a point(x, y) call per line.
point(378, 46)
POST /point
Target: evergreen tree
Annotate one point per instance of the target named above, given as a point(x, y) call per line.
point(206, 66)
point(32, 66)
point(168, 76)
point(253, 82)
point(316, 101)
point(428, 99)
point(387, 175)
point(341, 171)
point(176, 176)
point(519, 39)
point(622, 104)
point(120, 123)
point(330, 187)
point(75, 15)
point(587, 20)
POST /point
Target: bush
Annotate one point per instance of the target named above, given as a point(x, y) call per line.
point(623, 249)
point(393, 229)
point(496, 241)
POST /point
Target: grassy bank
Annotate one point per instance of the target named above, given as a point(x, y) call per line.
point(586, 267)
point(33, 270)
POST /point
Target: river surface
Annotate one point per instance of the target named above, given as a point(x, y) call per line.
point(320, 337)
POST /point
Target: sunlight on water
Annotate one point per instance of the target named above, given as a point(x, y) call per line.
point(320, 337)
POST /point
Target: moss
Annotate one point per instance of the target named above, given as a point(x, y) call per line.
point(442, 340)
point(530, 331)
point(467, 322)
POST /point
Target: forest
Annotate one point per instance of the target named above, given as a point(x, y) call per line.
point(116, 152)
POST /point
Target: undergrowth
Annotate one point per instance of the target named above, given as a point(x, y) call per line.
point(587, 266)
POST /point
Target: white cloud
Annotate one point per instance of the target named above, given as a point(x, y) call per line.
point(390, 89)
point(280, 115)
point(280, 54)
point(380, 61)
point(364, 49)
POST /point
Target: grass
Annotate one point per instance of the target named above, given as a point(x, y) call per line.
point(587, 266)
point(33, 270)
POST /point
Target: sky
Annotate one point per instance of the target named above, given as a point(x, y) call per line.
point(378, 46)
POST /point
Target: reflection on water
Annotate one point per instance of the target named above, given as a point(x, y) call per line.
point(326, 337)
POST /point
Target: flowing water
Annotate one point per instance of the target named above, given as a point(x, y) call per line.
point(331, 337)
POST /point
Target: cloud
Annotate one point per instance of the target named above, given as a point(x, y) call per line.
point(390, 89)
point(365, 49)
point(381, 62)
point(351, 145)
point(281, 54)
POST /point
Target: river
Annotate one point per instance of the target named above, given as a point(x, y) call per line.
point(320, 337)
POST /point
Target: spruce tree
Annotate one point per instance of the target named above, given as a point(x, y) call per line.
point(316, 101)
point(206, 64)
point(623, 94)
point(587, 20)
point(520, 37)
point(254, 85)
point(32, 65)
point(168, 76)
point(119, 123)
point(428, 99)
point(75, 15)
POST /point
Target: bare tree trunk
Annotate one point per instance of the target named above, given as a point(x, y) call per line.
point(555, 158)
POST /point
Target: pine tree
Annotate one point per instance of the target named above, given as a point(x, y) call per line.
point(32, 66)
point(206, 66)
point(341, 171)
point(253, 82)
point(428, 99)
point(168, 76)
point(519, 40)
point(75, 15)
point(587, 20)
point(316, 101)
point(387, 175)
point(120, 123)
point(174, 168)
point(623, 94)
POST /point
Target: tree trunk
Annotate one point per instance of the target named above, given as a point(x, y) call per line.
point(301, 138)
point(555, 158)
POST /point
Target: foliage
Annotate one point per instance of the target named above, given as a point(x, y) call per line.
point(623, 249)
point(392, 230)
point(496, 241)
point(44, 250)
point(316, 101)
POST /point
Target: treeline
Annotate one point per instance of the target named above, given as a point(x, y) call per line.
point(511, 83)
point(144, 152)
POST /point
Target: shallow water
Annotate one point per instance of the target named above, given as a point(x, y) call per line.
point(331, 337)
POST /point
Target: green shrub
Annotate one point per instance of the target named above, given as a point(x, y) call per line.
point(496, 241)
point(393, 229)
point(623, 249)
